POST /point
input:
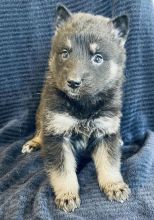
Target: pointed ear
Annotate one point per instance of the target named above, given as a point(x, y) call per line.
point(62, 15)
point(120, 25)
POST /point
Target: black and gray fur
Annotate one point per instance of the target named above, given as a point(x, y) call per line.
point(80, 108)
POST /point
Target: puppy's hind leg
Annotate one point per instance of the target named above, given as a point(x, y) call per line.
point(33, 144)
point(36, 142)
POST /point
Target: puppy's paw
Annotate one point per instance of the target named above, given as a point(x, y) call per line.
point(29, 146)
point(117, 191)
point(68, 202)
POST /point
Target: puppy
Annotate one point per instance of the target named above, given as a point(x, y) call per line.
point(80, 106)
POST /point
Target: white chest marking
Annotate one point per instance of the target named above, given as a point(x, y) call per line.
point(59, 123)
point(62, 123)
point(107, 124)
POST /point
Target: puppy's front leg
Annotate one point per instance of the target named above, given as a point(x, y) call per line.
point(61, 169)
point(106, 157)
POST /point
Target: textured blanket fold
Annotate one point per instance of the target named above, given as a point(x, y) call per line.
point(26, 28)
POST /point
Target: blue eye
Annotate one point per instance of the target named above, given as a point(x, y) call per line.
point(64, 54)
point(97, 59)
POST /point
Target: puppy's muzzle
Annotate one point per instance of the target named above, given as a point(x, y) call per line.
point(74, 84)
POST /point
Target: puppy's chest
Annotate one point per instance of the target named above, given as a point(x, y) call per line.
point(82, 133)
point(66, 124)
point(85, 127)
point(98, 126)
point(89, 130)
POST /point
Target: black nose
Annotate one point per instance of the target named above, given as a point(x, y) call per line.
point(73, 84)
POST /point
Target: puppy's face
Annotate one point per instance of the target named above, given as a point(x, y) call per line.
point(88, 53)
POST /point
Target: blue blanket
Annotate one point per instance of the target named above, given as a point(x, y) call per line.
point(26, 28)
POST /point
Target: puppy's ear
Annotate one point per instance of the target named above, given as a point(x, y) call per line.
point(121, 27)
point(62, 15)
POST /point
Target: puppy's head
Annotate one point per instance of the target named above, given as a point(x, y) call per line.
point(88, 52)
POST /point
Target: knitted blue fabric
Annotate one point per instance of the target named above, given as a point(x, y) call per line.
point(26, 28)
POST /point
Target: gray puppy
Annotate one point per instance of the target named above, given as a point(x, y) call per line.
point(80, 109)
